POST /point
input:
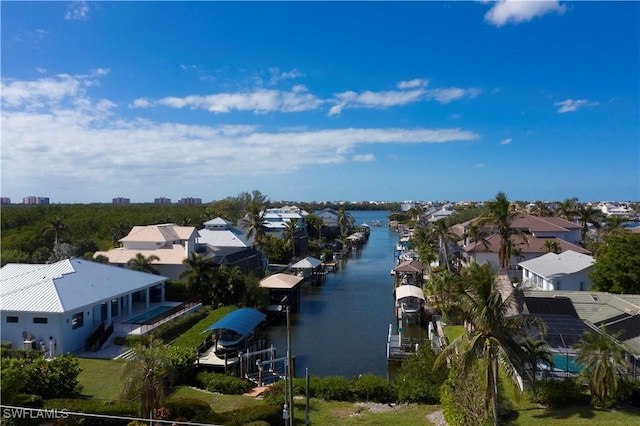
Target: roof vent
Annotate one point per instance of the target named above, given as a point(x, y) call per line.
point(595, 297)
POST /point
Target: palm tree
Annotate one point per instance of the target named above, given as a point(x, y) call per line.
point(199, 274)
point(501, 215)
point(584, 215)
point(491, 333)
point(566, 209)
point(345, 221)
point(604, 365)
point(144, 377)
point(441, 287)
point(316, 223)
point(477, 234)
point(289, 235)
point(535, 352)
point(143, 264)
point(552, 246)
point(56, 226)
point(255, 222)
point(445, 239)
point(613, 224)
point(541, 209)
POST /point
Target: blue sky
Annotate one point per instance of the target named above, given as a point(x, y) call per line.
point(320, 100)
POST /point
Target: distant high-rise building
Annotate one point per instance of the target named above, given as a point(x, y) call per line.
point(190, 200)
point(121, 200)
point(32, 199)
point(5, 200)
point(162, 200)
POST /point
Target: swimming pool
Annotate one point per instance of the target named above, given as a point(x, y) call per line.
point(148, 315)
point(566, 362)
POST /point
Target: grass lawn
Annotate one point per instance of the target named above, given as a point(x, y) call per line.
point(193, 337)
point(100, 378)
point(578, 415)
point(452, 332)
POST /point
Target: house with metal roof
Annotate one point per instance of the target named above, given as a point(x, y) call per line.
point(58, 306)
point(172, 244)
point(568, 270)
point(228, 245)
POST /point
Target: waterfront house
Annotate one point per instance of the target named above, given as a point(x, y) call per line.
point(538, 233)
point(568, 270)
point(171, 243)
point(227, 245)
point(58, 306)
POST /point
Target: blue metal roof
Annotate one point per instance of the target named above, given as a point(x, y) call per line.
point(242, 321)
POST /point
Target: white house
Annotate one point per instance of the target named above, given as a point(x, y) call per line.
point(58, 306)
point(171, 243)
point(568, 270)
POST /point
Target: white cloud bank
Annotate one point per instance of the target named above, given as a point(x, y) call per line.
point(77, 11)
point(517, 11)
point(54, 132)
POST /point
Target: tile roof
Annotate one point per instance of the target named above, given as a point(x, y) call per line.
point(532, 245)
point(172, 255)
point(163, 233)
point(66, 285)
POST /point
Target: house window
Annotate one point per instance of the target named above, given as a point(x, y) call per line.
point(40, 320)
point(77, 320)
point(12, 319)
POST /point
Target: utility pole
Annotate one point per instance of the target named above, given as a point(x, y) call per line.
point(289, 384)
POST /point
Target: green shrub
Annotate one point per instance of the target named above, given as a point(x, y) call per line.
point(334, 388)
point(369, 387)
point(417, 381)
point(274, 394)
point(224, 383)
point(557, 393)
point(267, 414)
point(462, 398)
point(28, 400)
point(171, 330)
point(187, 408)
point(94, 407)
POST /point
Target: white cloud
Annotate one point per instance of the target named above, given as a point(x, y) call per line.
point(516, 11)
point(481, 165)
point(257, 101)
point(277, 75)
point(449, 94)
point(77, 11)
point(506, 141)
point(571, 105)
point(364, 157)
point(411, 84)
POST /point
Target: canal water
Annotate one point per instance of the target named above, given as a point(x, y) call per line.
point(343, 323)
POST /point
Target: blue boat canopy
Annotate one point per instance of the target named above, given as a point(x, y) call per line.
point(242, 321)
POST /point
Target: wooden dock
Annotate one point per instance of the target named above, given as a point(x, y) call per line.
point(330, 266)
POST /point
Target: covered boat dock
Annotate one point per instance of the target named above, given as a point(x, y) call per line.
point(284, 291)
point(241, 323)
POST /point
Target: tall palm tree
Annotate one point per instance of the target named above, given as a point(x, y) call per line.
point(289, 235)
point(56, 226)
point(604, 365)
point(585, 215)
point(566, 209)
point(316, 223)
point(199, 274)
point(501, 215)
point(143, 264)
point(255, 222)
point(535, 352)
point(491, 332)
point(478, 235)
point(440, 288)
point(445, 239)
point(144, 377)
point(345, 221)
